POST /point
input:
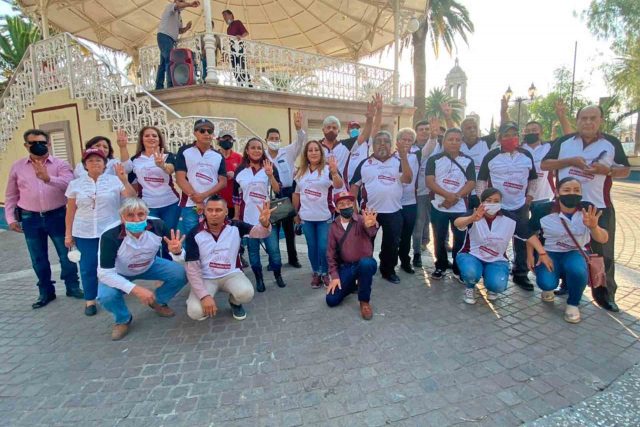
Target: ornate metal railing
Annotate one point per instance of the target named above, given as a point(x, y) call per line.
point(65, 62)
point(277, 69)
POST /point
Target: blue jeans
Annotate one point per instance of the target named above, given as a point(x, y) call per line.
point(273, 250)
point(37, 229)
point(363, 271)
point(165, 44)
point(317, 233)
point(190, 219)
point(495, 274)
point(171, 272)
point(169, 214)
point(568, 265)
point(88, 266)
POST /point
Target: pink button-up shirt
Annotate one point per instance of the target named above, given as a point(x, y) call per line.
point(26, 190)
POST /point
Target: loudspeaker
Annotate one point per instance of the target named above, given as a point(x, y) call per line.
point(181, 67)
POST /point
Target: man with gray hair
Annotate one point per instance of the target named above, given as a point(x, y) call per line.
point(381, 177)
point(130, 250)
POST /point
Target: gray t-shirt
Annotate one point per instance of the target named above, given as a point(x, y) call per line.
point(170, 22)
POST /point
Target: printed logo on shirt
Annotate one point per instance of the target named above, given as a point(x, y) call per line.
point(203, 174)
point(312, 193)
point(140, 261)
point(450, 184)
point(489, 251)
point(220, 263)
point(565, 245)
point(581, 174)
point(258, 191)
point(153, 177)
point(386, 180)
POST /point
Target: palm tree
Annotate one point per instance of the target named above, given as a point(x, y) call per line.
point(446, 19)
point(433, 105)
point(16, 35)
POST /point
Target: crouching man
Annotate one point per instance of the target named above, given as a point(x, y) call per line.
point(130, 251)
point(212, 260)
point(350, 254)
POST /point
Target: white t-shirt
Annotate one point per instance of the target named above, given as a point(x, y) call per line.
point(450, 177)
point(381, 185)
point(97, 204)
point(490, 243)
point(315, 191)
point(202, 169)
point(357, 155)
point(81, 171)
point(548, 220)
point(544, 185)
point(409, 190)
point(253, 187)
point(510, 173)
point(157, 186)
point(286, 158)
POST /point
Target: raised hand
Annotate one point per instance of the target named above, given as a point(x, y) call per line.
point(265, 213)
point(41, 170)
point(378, 100)
point(561, 108)
point(590, 217)
point(158, 158)
point(370, 217)
point(478, 213)
point(122, 138)
point(371, 109)
point(335, 283)
point(174, 244)
point(297, 120)
point(434, 126)
point(268, 167)
point(504, 103)
point(333, 165)
point(446, 110)
point(120, 172)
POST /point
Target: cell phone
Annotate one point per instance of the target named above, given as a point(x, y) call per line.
point(600, 157)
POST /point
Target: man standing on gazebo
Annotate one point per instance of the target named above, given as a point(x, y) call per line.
point(238, 31)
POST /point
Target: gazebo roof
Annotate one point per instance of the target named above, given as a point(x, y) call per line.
point(339, 28)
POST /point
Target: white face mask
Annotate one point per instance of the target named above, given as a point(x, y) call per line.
point(229, 21)
point(273, 145)
point(492, 208)
point(74, 255)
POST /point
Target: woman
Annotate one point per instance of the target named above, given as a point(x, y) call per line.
point(103, 143)
point(255, 178)
point(154, 167)
point(451, 176)
point(557, 254)
point(483, 255)
point(93, 201)
point(315, 180)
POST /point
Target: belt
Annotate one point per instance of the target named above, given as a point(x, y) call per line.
point(47, 213)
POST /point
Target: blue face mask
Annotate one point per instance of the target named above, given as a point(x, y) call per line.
point(354, 133)
point(135, 227)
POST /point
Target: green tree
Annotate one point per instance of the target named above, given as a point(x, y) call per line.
point(443, 21)
point(433, 105)
point(16, 34)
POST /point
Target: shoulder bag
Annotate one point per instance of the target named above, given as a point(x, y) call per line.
point(595, 263)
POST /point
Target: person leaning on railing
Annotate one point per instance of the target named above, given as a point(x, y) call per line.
point(237, 30)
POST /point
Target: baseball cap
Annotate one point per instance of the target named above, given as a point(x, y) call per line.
point(200, 123)
point(342, 196)
point(225, 133)
point(508, 125)
point(93, 152)
point(352, 124)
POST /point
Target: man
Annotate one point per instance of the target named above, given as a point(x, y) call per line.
point(381, 176)
point(474, 147)
point(35, 198)
point(232, 160)
point(168, 30)
point(405, 139)
point(284, 159)
point(353, 129)
point(200, 173)
point(532, 142)
point(511, 170)
point(213, 263)
point(350, 254)
point(594, 158)
point(129, 251)
point(236, 29)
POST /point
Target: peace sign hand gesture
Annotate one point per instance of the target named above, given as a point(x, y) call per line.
point(268, 167)
point(265, 214)
point(120, 172)
point(370, 217)
point(122, 138)
point(297, 120)
point(333, 165)
point(174, 244)
point(478, 213)
point(158, 158)
point(590, 217)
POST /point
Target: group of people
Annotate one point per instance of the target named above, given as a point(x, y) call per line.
point(123, 220)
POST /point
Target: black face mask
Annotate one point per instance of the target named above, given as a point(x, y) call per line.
point(38, 149)
point(570, 200)
point(226, 145)
point(531, 138)
point(346, 213)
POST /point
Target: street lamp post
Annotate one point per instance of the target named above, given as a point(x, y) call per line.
point(520, 99)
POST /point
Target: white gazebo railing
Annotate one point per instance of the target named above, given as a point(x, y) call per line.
point(277, 69)
point(65, 62)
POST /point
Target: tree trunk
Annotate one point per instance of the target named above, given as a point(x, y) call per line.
point(636, 148)
point(418, 41)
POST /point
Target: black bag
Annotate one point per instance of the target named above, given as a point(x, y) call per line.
point(284, 209)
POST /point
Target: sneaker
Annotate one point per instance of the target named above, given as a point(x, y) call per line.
point(238, 311)
point(325, 280)
point(90, 310)
point(315, 281)
point(470, 296)
point(547, 296)
point(572, 314)
point(437, 274)
point(492, 296)
point(458, 278)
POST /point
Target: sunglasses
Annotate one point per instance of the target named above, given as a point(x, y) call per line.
point(203, 131)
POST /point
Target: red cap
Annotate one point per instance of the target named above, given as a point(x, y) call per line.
point(342, 196)
point(353, 124)
point(93, 152)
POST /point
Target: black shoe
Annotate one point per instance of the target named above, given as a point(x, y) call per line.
point(613, 307)
point(90, 310)
point(279, 280)
point(407, 268)
point(561, 291)
point(393, 278)
point(437, 274)
point(417, 260)
point(295, 263)
point(75, 293)
point(523, 282)
point(259, 281)
point(43, 300)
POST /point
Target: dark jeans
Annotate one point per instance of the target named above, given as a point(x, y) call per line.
point(408, 222)
point(37, 228)
point(169, 214)
point(520, 247)
point(88, 266)
point(391, 224)
point(608, 222)
point(441, 222)
point(165, 44)
point(363, 272)
point(239, 64)
point(287, 225)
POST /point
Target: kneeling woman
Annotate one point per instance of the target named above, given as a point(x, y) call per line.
point(558, 226)
point(489, 232)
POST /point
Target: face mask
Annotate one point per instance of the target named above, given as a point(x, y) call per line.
point(330, 136)
point(354, 133)
point(492, 208)
point(570, 200)
point(509, 144)
point(226, 144)
point(229, 21)
point(531, 138)
point(346, 213)
point(38, 149)
point(135, 227)
point(273, 145)
point(74, 255)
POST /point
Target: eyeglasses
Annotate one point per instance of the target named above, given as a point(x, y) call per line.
point(203, 131)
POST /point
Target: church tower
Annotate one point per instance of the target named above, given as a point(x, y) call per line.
point(456, 85)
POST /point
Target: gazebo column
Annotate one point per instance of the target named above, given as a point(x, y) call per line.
point(44, 18)
point(209, 45)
